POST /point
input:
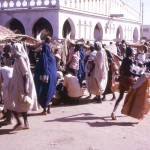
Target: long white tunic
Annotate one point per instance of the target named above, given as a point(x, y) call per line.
point(5, 76)
point(101, 70)
point(16, 88)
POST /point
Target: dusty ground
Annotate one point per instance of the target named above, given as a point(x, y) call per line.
point(86, 126)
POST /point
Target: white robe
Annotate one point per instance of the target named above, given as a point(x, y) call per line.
point(16, 86)
point(101, 70)
point(5, 76)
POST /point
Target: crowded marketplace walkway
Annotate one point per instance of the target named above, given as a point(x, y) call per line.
point(74, 94)
point(86, 126)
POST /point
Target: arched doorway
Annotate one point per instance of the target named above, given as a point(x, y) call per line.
point(119, 34)
point(42, 28)
point(98, 32)
point(68, 29)
point(16, 26)
point(135, 35)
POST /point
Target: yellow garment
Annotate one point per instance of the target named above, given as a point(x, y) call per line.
point(137, 103)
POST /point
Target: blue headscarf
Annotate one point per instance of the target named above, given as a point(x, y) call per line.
point(45, 66)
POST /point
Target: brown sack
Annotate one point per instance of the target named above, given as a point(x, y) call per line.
point(137, 103)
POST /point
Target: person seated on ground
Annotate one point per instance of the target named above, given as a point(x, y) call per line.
point(70, 90)
point(59, 87)
point(59, 63)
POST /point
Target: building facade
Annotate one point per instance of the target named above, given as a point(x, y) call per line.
point(89, 19)
point(145, 32)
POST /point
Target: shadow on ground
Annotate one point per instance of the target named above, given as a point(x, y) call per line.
point(82, 101)
point(87, 118)
point(6, 131)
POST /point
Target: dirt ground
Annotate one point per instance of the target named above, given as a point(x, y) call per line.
point(86, 126)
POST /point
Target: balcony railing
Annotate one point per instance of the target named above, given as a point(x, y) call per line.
point(104, 7)
point(18, 4)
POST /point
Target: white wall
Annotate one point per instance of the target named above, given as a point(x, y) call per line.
point(57, 19)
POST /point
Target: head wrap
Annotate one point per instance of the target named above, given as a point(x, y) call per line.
point(98, 45)
point(19, 50)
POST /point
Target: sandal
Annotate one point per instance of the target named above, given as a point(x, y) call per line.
point(113, 116)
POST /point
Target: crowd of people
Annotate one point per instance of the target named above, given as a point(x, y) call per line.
point(59, 75)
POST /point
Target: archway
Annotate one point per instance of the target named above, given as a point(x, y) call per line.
point(119, 34)
point(98, 32)
point(135, 35)
point(42, 28)
point(68, 29)
point(16, 26)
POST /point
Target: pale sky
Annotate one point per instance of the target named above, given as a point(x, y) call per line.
point(136, 5)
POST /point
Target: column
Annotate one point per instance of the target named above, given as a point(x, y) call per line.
point(90, 31)
point(77, 4)
point(81, 4)
point(108, 7)
point(85, 30)
point(104, 6)
point(98, 8)
point(79, 29)
point(86, 5)
point(70, 3)
point(73, 3)
point(90, 4)
point(94, 6)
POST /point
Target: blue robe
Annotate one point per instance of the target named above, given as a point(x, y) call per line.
point(81, 72)
point(45, 66)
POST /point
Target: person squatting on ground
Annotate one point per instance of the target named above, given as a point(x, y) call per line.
point(69, 90)
point(45, 77)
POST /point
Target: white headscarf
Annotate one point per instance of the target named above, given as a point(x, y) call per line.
point(19, 50)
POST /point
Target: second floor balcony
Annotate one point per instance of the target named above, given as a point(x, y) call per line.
point(98, 7)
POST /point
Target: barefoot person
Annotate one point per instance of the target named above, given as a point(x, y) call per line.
point(21, 88)
point(126, 80)
point(45, 77)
